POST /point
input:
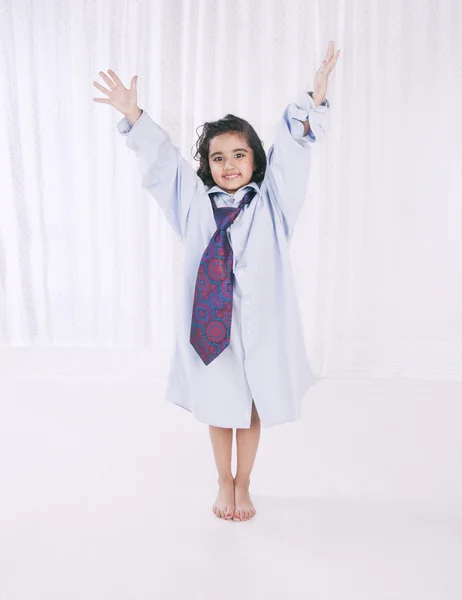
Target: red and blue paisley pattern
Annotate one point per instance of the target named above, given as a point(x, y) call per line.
point(213, 295)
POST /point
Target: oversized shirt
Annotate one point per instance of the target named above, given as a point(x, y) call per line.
point(266, 360)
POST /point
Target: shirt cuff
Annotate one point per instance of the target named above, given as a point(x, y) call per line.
point(308, 110)
point(124, 126)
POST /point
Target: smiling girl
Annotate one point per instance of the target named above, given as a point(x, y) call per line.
point(239, 360)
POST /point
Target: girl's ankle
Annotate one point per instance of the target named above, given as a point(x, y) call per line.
point(225, 479)
point(242, 481)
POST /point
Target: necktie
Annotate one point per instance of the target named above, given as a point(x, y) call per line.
point(213, 295)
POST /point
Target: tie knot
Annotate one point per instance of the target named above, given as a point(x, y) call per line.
point(224, 217)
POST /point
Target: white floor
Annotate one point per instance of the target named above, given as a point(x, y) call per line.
point(106, 493)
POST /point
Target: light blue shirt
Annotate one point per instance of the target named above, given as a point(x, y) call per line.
point(266, 359)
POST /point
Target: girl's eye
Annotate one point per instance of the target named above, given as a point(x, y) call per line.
point(219, 157)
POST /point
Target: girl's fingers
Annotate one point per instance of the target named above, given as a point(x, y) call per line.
point(330, 52)
point(103, 89)
point(104, 100)
point(107, 80)
point(332, 63)
point(114, 77)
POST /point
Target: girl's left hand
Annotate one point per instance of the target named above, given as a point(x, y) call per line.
point(320, 80)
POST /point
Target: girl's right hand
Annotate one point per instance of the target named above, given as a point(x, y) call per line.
point(121, 98)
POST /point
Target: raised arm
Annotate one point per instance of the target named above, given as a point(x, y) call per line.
point(289, 158)
point(165, 174)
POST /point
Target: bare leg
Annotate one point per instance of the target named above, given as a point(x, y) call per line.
point(222, 442)
point(247, 444)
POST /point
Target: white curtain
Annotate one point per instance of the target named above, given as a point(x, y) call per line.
point(88, 264)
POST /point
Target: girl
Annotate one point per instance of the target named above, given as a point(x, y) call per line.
point(239, 359)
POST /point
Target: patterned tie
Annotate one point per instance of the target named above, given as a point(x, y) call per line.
point(213, 296)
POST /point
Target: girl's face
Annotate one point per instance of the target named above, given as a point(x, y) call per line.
point(231, 161)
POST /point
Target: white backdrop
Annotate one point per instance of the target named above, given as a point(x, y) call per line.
point(87, 261)
point(105, 490)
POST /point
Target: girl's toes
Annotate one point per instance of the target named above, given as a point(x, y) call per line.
point(229, 513)
point(237, 515)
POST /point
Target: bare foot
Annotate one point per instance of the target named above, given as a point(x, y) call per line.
point(224, 504)
point(244, 509)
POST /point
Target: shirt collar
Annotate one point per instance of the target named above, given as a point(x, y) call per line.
point(217, 188)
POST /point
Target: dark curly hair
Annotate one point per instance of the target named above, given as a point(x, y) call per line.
point(229, 124)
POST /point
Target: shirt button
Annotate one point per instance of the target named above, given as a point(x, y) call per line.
point(242, 270)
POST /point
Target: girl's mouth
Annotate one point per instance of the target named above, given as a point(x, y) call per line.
point(230, 176)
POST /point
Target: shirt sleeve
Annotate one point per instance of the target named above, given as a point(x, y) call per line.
point(289, 158)
point(165, 174)
point(307, 112)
